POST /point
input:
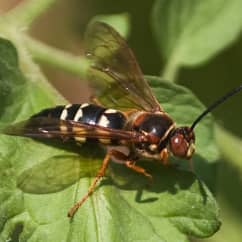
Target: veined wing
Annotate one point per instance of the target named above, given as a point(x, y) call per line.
point(45, 127)
point(115, 73)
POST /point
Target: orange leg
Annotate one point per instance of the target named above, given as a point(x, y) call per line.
point(164, 156)
point(117, 154)
point(94, 100)
point(99, 175)
point(131, 164)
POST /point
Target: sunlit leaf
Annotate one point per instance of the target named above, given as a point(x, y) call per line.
point(190, 32)
point(125, 207)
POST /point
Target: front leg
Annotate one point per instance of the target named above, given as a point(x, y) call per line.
point(164, 156)
point(131, 164)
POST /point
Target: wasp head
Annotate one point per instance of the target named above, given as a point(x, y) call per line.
point(182, 142)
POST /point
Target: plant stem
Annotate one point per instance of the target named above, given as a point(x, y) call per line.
point(27, 11)
point(230, 146)
point(170, 71)
point(58, 58)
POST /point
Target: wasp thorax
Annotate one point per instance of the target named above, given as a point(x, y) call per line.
point(181, 142)
point(155, 127)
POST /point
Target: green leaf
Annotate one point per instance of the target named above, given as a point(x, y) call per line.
point(40, 181)
point(229, 185)
point(120, 22)
point(191, 32)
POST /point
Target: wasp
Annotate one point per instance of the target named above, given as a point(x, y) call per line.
point(134, 119)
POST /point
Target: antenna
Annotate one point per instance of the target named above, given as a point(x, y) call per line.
point(215, 104)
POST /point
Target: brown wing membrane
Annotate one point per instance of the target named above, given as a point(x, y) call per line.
point(118, 80)
point(44, 127)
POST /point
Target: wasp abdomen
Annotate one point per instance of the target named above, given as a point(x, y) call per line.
point(87, 114)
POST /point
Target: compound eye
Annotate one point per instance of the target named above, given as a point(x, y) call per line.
point(179, 146)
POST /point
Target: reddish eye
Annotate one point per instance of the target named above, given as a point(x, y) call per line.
point(179, 146)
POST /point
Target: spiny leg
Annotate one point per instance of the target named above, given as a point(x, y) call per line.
point(91, 188)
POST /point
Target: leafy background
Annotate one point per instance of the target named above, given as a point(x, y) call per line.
point(194, 43)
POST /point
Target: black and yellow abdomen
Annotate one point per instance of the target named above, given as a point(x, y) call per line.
point(87, 114)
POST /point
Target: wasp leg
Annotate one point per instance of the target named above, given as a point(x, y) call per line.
point(94, 100)
point(164, 156)
point(131, 164)
point(99, 175)
point(117, 154)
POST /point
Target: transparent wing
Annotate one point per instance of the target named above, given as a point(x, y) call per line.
point(117, 78)
point(44, 127)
